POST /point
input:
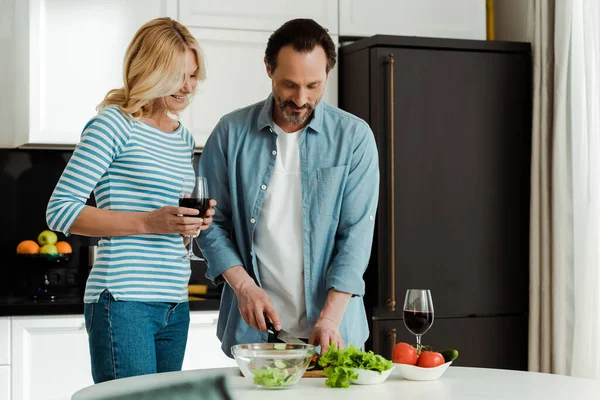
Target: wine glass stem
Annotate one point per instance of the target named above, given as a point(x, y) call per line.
point(190, 246)
point(418, 343)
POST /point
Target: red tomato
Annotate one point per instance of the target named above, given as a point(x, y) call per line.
point(430, 359)
point(404, 353)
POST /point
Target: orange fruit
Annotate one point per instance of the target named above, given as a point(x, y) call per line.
point(28, 247)
point(64, 247)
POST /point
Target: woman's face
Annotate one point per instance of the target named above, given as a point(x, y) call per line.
point(178, 101)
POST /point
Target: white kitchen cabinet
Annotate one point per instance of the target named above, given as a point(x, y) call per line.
point(51, 358)
point(5, 383)
point(461, 19)
point(203, 347)
point(62, 58)
point(4, 341)
point(236, 78)
point(256, 15)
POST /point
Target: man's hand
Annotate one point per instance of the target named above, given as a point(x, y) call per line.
point(254, 303)
point(325, 332)
point(327, 327)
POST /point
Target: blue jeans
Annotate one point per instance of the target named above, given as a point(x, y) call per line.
point(129, 338)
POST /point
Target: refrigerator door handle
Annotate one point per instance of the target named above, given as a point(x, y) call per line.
point(391, 302)
point(392, 336)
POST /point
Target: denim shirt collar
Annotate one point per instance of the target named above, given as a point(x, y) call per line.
point(265, 118)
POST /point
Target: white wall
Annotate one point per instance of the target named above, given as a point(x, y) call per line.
point(514, 20)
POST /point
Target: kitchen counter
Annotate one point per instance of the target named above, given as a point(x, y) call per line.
point(457, 383)
point(23, 305)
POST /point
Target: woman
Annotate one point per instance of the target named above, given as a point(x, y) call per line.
point(135, 158)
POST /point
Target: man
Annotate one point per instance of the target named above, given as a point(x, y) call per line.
point(297, 184)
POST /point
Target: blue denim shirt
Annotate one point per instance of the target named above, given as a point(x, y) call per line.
point(340, 187)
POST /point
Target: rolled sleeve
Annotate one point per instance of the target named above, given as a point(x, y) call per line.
point(354, 236)
point(218, 248)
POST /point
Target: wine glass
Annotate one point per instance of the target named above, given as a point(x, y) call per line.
point(418, 312)
point(200, 201)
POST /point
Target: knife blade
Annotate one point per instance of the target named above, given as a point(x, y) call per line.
point(283, 335)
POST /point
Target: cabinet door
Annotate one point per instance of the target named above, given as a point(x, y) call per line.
point(51, 358)
point(75, 57)
point(462, 19)
point(236, 78)
point(256, 15)
point(462, 154)
point(203, 347)
point(485, 342)
point(5, 383)
point(5, 341)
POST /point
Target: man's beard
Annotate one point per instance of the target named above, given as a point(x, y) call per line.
point(295, 117)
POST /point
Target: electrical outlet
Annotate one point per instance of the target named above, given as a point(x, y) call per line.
point(72, 278)
point(55, 277)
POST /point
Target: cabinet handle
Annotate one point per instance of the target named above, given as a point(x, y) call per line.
point(391, 302)
point(392, 336)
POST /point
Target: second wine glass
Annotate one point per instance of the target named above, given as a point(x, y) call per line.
point(418, 312)
point(198, 200)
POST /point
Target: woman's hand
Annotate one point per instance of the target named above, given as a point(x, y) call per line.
point(207, 219)
point(169, 219)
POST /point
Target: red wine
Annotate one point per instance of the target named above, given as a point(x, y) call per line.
point(199, 204)
point(418, 322)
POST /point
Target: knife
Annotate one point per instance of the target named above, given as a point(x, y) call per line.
point(282, 335)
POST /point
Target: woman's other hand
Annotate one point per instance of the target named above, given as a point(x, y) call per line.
point(207, 219)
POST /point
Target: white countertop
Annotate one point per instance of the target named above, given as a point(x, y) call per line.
point(456, 383)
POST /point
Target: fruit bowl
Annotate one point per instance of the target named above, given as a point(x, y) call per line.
point(368, 377)
point(273, 365)
point(414, 373)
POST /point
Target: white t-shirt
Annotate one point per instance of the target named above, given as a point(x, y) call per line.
point(278, 237)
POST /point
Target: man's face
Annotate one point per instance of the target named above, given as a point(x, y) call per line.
point(298, 82)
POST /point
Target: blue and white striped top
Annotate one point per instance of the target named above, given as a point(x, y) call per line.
point(130, 166)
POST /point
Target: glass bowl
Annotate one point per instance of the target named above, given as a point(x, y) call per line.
point(273, 365)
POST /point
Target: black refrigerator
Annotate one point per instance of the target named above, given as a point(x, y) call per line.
point(452, 121)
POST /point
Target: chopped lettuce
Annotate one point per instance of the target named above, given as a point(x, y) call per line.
point(339, 364)
point(273, 376)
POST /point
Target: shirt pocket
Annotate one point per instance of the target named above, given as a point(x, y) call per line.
point(330, 186)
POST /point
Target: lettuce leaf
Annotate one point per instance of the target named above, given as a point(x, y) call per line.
point(273, 376)
point(339, 364)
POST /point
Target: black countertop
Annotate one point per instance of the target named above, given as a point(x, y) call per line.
point(71, 305)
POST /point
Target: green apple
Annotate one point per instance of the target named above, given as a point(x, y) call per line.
point(47, 237)
point(48, 249)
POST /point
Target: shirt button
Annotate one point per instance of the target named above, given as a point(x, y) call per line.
point(263, 187)
point(251, 254)
point(371, 218)
point(274, 152)
point(252, 220)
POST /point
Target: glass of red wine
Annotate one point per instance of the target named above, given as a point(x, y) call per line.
point(200, 201)
point(418, 312)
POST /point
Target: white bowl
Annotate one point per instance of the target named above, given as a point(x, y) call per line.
point(414, 373)
point(367, 377)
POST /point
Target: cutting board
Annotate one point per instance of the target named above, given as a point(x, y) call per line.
point(314, 374)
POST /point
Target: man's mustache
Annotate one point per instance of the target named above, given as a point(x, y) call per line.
point(294, 106)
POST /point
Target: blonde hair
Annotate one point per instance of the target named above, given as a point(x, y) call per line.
point(154, 67)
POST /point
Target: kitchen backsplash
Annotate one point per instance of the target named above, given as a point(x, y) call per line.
point(27, 179)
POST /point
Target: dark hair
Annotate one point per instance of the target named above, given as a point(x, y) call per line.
point(303, 35)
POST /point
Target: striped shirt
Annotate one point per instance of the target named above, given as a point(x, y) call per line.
point(130, 166)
